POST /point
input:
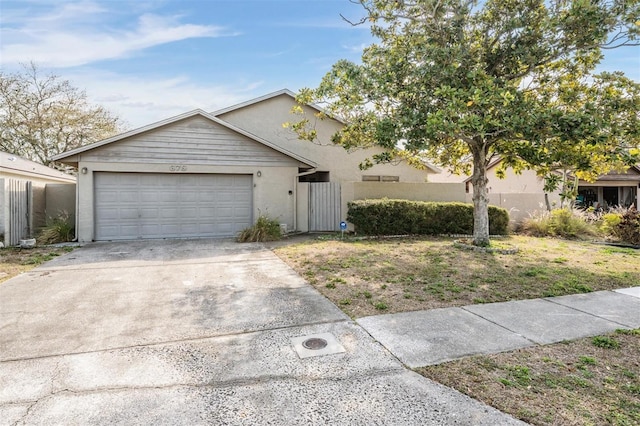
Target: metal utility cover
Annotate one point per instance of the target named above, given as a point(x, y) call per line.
point(333, 345)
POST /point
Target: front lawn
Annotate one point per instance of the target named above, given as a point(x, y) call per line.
point(370, 277)
point(592, 381)
point(589, 381)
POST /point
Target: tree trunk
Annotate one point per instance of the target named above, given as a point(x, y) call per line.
point(480, 197)
point(546, 201)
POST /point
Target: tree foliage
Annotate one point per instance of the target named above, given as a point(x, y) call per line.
point(462, 82)
point(41, 116)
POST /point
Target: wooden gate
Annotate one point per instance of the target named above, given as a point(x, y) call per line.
point(17, 212)
point(324, 206)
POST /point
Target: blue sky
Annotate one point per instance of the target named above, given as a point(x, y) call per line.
point(147, 60)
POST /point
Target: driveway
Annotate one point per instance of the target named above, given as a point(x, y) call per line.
point(198, 332)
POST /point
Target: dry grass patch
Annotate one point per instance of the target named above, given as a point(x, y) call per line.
point(592, 381)
point(369, 277)
point(14, 261)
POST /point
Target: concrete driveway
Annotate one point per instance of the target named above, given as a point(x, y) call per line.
point(198, 332)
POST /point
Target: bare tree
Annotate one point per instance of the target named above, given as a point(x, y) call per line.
point(44, 115)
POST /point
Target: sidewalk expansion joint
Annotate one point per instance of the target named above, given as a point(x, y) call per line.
point(591, 314)
point(500, 325)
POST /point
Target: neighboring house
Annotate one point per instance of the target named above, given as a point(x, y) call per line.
point(520, 194)
point(205, 174)
point(523, 194)
point(612, 189)
point(23, 195)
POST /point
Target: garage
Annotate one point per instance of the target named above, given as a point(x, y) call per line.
point(161, 205)
point(189, 176)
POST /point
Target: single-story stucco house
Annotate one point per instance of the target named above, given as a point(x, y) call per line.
point(24, 202)
point(204, 174)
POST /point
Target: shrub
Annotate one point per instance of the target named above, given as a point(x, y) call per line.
point(564, 223)
point(57, 230)
point(264, 229)
point(628, 229)
point(401, 217)
point(609, 222)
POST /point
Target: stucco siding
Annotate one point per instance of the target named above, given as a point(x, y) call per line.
point(521, 205)
point(525, 182)
point(443, 192)
point(195, 140)
point(61, 200)
point(265, 119)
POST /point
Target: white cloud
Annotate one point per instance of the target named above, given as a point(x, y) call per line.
point(141, 101)
point(79, 33)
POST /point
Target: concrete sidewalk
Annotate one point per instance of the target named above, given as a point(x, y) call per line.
point(430, 337)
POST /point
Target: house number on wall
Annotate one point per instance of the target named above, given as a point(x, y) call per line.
point(178, 168)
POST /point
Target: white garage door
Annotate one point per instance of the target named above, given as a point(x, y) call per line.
point(153, 205)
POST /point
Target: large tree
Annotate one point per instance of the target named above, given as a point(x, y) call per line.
point(461, 82)
point(41, 116)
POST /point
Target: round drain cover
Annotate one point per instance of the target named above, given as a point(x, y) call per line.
point(315, 343)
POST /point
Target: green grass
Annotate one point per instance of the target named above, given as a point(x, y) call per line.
point(605, 342)
point(40, 258)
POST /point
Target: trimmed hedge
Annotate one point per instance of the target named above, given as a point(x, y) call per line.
point(402, 217)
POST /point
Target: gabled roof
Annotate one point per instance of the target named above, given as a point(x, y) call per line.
point(267, 97)
point(195, 112)
point(14, 164)
point(632, 174)
point(254, 101)
point(292, 95)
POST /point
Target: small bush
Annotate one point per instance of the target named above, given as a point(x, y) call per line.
point(609, 222)
point(264, 229)
point(402, 217)
point(57, 230)
point(564, 223)
point(628, 229)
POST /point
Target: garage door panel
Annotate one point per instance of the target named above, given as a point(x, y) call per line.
point(169, 213)
point(148, 205)
point(168, 196)
point(125, 213)
point(152, 213)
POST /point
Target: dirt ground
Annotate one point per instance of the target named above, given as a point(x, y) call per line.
point(14, 261)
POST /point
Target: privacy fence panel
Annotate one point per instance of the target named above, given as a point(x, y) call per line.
point(324, 206)
point(18, 196)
